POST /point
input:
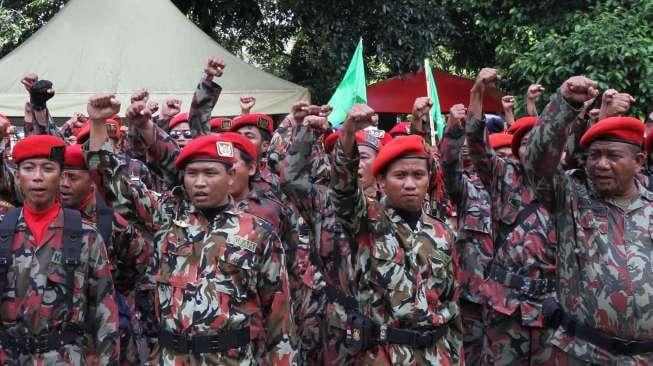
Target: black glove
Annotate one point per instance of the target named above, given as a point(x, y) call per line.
point(40, 93)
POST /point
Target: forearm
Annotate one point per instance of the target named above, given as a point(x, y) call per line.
point(481, 153)
point(452, 142)
point(295, 171)
point(347, 198)
point(279, 144)
point(205, 97)
point(161, 156)
point(531, 108)
point(548, 138)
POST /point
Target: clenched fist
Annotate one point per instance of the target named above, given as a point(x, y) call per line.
point(171, 108)
point(140, 94)
point(138, 114)
point(457, 115)
point(486, 77)
point(614, 103)
point(102, 106)
point(534, 91)
point(579, 89)
point(214, 67)
point(359, 117)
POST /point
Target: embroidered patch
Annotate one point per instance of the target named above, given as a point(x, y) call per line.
point(241, 242)
point(377, 133)
point(263, 123)
point(225, 149)
point(226, 124)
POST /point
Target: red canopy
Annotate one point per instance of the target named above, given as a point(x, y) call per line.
point(397, 94)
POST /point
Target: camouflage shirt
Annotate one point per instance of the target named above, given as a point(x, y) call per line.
point(529, 248)
point(222, 275)
point(34, 297)
point(605, 253)
point(474, 246)
point(405, 277)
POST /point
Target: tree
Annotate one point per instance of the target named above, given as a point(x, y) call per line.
point(20, 19)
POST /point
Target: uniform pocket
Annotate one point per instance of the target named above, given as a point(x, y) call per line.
point(235, 271)
point(178, 266)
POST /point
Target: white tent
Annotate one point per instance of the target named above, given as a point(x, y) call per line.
point(119, 46)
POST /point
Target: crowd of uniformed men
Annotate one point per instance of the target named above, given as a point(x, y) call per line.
point(176, 239)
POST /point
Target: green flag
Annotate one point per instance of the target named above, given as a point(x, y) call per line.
point(352, 88)
point(435, 116)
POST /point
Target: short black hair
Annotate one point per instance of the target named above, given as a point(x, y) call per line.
point(265, 135)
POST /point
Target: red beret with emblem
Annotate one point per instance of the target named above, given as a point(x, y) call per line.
point(520, 128)
point(260, 120)
point(400, 147)
point(400, 129)
point(220, 124)
point(621, 129)
point(84, 132)
point(373, 138)
point(39, 146)
point(209, 147)
point(330, 141)
point(500, 140)
point(74, 158)
point(179, 118)
point(240, 142)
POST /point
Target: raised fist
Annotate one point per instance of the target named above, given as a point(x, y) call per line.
point(214, 67)
point(487, 77)
point(534, 91)
point(508, 103)
point(325, 110)
point(138, 114)
point(421, 109)
point(319, 124)
point(359, 117)
point(153, 107)
point(247, 102)
point(579, 89)
point(140, 94)
point(29, 80)
point(76, 120)
point(102, 106)
point(40, 92)
point(300, 111)
point(614, 103)
point(171, 108)
point(457, 114)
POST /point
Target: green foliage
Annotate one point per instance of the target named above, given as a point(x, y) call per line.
point(20, 19)
point(612, 44)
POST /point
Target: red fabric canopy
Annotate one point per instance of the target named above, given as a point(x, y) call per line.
point(397, 94)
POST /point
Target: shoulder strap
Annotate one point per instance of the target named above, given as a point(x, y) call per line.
point(7, 229)
point(72, 249)
point(104, 219)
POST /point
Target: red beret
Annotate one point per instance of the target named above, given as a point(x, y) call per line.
point(405, 146)
point(114, 124)
point(39, 146)
point(262, 121)
point(207, 147)
point(220, 124)
point(179, 118)
point(623, 129)
point(521, 129)
point(373, 138)
point(330, 141)
point(402, 128)
point(240, 142)
point(500, 140)
point(525, 121)
point(74, 158)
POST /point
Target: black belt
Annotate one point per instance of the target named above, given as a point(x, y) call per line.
point(363, 333)
point(596, 337)
point(523, 284)
point(184, 343)
point(42, 343)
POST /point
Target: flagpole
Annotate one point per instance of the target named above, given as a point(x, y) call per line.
point(429, 92)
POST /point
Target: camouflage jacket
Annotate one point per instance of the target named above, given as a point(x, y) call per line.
point(605, 253)
point(474, 246)
point(199, 116)
point(33, 301)
point(129, 251)
point(529, 248)
point(405, 277)
point(211, 276)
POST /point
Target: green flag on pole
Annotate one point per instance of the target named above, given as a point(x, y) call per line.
point(352, 88)
point(435, 116)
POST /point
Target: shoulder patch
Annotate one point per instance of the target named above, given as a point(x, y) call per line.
point(241, 242)
point(56, 257)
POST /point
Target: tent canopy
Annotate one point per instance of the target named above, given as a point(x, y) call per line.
point(119, 46)
point(397, 94)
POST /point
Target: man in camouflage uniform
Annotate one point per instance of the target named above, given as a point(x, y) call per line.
point(406, 306)
point(603, 219)
point(474, 247)
point(222, 287)
point(58, 304)
point(522, 273)
point(129, 247)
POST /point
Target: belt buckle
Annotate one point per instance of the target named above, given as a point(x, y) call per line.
point(180, 342)
point(621, 345)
